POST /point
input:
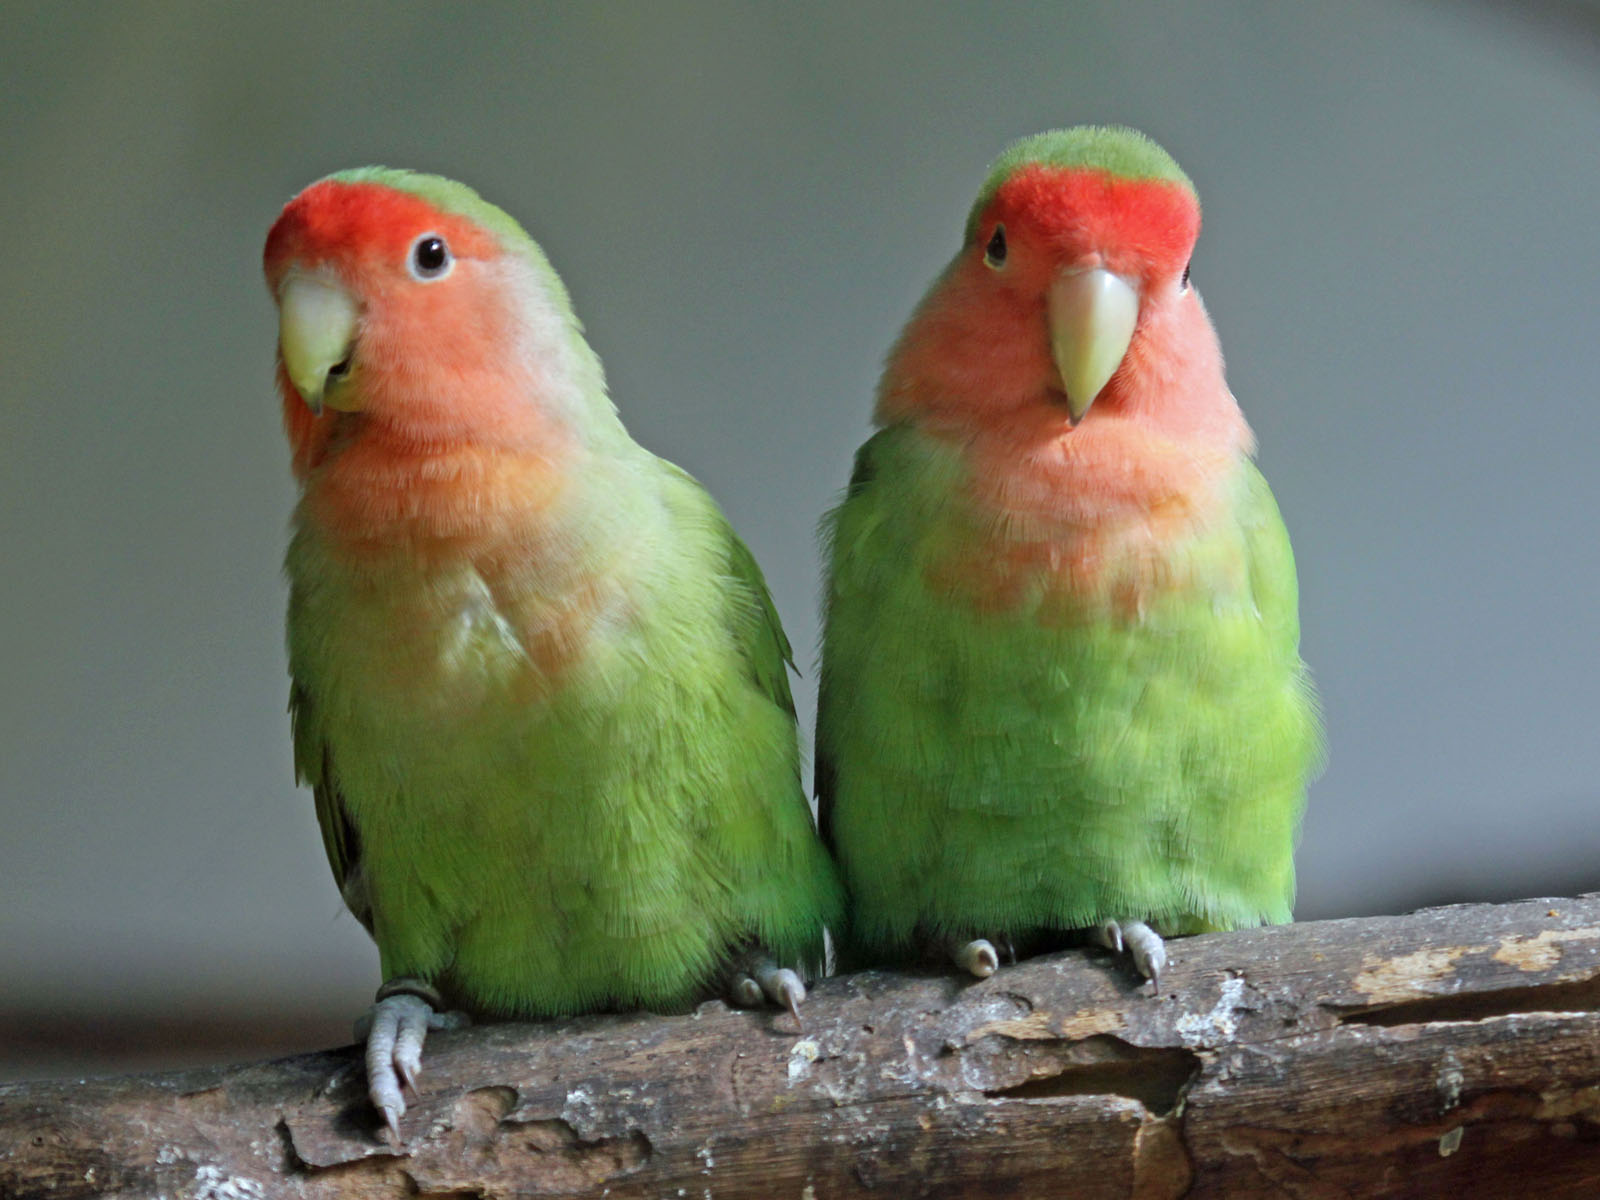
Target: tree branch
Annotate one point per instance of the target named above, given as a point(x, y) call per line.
point(1453, 1051)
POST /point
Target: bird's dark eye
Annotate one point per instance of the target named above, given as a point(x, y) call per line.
point(1183, 284)
point(995, 252)
point(430, 257)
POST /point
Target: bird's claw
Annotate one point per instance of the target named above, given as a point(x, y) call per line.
point(1109, 935)
point(391, 1124)
point(408, 1078)
point(977, 957)
point(745, 992)
point(1142, 944)
point(783, 987)
point(759, 980)
point(394, 1030)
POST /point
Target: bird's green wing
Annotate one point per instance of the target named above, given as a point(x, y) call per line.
point(1273, 584)
point(313, 765)
point(761, 637)
point(862, 474)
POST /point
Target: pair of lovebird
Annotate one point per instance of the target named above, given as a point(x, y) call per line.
point(540, 690)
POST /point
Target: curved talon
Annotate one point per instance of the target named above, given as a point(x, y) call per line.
point(783, 987)
point(1109, 935)
point(745, 992)
point(408, 1044)
point(1142, 944)
point(1148, 950)
point(977, 957)
point(756, 979)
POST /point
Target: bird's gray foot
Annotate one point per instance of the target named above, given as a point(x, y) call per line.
point(394, 1030)
point(756, 979)
point(1142, 944)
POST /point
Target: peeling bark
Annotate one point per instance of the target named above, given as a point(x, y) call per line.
point(1453, 1051)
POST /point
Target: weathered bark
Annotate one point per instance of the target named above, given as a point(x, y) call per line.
point(1452, 1052)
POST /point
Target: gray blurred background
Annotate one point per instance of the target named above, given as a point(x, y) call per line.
point(1401, 251)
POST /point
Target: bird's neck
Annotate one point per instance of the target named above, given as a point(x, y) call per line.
point(379, 487)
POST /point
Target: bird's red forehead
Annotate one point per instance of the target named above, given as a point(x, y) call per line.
point(364, 222)
point(1081, 210)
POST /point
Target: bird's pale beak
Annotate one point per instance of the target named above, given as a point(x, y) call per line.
point(317, 322)
point(1092, 315)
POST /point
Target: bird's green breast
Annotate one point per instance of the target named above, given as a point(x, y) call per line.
point(1043, 754)
point(545, 834)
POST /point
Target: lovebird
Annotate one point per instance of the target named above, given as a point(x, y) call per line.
point(1061, 692)
point(539, 688)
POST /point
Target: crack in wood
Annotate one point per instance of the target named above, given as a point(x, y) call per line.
point(1156, 1077)
point(1582, 996)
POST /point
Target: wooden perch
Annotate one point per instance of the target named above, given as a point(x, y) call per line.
point(1454, 1052)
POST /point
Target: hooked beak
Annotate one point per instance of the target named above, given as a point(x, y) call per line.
point(317, 322)
point(1092, 315)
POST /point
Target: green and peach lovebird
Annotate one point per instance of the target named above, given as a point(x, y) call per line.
point(539, 691)
point(1061, 683)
